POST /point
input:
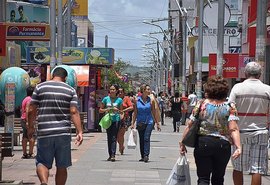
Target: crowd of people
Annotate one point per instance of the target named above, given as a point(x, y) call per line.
point(234, 124)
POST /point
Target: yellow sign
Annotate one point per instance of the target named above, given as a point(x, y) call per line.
point(79, 8)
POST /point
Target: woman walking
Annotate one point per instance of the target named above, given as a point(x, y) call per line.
point(176, 108)
point(218, 129)
point(145, 116)
point(125, 121)
point(112, 104)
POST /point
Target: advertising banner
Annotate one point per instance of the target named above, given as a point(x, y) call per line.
point(230, 65)
point(92, 99)
point(100, 56)
point(72, 55)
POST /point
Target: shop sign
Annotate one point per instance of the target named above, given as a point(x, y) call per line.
point(28, 31)
point(230, 65)
point(2, 40)
point(100, 56)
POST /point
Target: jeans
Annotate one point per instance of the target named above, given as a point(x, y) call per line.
point(144, 136)
point(112, 132)
point(212, 155)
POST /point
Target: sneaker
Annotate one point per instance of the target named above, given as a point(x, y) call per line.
point(141, 160)
point(109, 159)
point(113, 159)
point(25, 156)
point(146, 159)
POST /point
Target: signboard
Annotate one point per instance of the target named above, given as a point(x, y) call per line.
point(230, 65)
point(92, 107)
point(9, 106)
point(29, 31)
point(2, 40)
point(72, 55)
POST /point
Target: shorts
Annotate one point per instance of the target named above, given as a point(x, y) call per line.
point(254, 157)
point(23, 124)
point(58, 148)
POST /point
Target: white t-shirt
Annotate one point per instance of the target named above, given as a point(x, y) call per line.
point(192, 99)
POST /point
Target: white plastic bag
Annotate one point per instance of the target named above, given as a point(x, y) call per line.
point(132, 139)
point(180, 174)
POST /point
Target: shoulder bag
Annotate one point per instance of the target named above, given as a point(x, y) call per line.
point(192, 135)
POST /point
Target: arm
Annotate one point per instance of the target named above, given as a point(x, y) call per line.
point(234, 130)
point(182, 147)
point(102, 108)
point(154, 110)
point(134, 115)
point(75, 116)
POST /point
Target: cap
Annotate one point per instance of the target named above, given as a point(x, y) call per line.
point(253, 68)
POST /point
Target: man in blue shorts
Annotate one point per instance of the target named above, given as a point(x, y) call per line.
point(56, 103)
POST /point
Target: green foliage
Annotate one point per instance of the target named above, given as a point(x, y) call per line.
point(119, 66)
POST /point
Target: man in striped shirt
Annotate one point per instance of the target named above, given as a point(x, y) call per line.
point(252, 98)
point(55, 105)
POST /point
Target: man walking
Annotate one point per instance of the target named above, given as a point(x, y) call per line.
point(252, 98)
point(57, 103)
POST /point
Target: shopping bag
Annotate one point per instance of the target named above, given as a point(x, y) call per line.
point(180, 174)
point(132, 139)
point(105, 121)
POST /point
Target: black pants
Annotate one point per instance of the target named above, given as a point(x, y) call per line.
point(176, 117)
point(212, 155)
point(112, 132)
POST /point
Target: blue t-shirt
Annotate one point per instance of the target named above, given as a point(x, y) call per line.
point(117, 102)
point(144, 113)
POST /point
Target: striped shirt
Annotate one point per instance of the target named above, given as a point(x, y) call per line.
point(54, 100)
point(252, 99)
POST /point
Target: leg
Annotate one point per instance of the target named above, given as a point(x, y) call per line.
point(162, 116)
point(174, 123)
point(42, 173)
point(61, 176)
point(31, 146)
point(25, 139)
point(238, 177)
point(141, 137)
point(121, 138)
point(24, 146)
point(256, 179)
point(221, 158)
point(147, 135)
point(109, 140)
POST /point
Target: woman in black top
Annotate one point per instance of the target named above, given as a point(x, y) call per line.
point(176, 108)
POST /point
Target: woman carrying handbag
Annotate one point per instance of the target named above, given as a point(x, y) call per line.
point(218, 130)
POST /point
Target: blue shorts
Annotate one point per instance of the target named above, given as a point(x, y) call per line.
point(58, 148)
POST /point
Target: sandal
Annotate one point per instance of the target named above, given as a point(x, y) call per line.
point(25, 156)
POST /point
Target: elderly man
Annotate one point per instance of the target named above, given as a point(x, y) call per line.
point(252, 98)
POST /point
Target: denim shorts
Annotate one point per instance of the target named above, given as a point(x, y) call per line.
point(58, 148)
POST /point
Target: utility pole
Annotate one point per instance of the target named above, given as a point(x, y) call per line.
point(166, 62)
point(3, 10)
point(69, 24)
point(53, 34)
point(220, 37)
point(106, 69)
point(260, 38)
point(59, 33)
point(170, 27)
point(200, 51)
point(184, 28)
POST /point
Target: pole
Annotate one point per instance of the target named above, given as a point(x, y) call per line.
point(3, 10)
point(53, 34)
point(165, 54)
point(200, 51)
point(260, 38)
point(160, 68)
point(59, 33)
point(184, 28)
point(106, 69)
point(220, 37)
point(68, 43)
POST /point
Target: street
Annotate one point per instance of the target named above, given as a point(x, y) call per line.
point(90, 166)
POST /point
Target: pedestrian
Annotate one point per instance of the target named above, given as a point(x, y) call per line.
point(176, 108)
point(24, 123)
point(161, 104)
point(192, 101)
point(145, 117)
point(218, 130)
point(125, 121)
point(114, 105)
point(55, 104)
point(252, 98)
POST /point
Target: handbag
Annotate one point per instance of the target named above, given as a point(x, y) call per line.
point(106, 121)
point(191, 137)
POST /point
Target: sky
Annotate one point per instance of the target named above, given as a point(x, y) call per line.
point(122, 22)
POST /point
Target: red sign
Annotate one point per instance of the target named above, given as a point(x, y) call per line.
point(2, 40)
point(230, 65)
point(28, 31)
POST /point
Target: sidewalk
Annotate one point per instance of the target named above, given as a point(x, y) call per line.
point(91, 168)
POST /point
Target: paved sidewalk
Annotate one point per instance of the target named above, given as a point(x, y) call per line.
point(91, 168)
